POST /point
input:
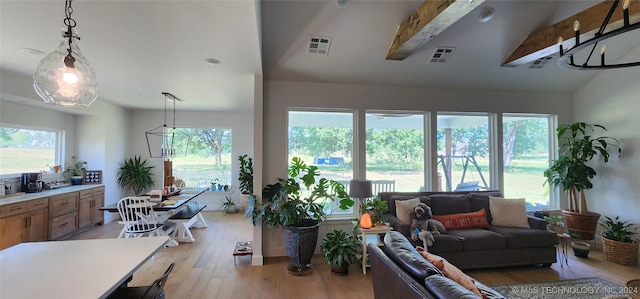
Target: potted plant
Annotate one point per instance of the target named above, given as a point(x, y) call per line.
point(377, 207)
point(245, 177)
point(340, 250)
point(75, 171)
point(573, 174)
point(618, 245)
point(215, 185)
point(228, 205)
point(555, 223)
point(299, 203)
point(135, 174)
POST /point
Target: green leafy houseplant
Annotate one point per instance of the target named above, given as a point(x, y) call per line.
point(228, 205)
point(618, 243)
point(76, 169)
point(135, 174)
point(245, 174)
point(573, 174)
point(618, 231)
point(340, 250)
point(377, 207)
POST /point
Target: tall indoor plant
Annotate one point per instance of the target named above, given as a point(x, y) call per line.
point(245, 177)
point(573, 174)
point(135, 174)
point(299, 203)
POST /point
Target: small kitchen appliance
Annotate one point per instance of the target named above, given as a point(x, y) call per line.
point(31, 182)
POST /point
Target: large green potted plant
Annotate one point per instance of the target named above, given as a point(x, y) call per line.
point(245, 177)
point(340, 250)
point(135, 174)
point(618, 245)
point(571, 171)
point(299, 204)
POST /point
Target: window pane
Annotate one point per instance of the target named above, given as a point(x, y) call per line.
point(324, 139)
point(208, 158)
point(26, 150)
point(395, 152)
point(463, 152)
point(526, 156)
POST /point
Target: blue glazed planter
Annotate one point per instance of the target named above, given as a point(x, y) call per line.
point(76, 180)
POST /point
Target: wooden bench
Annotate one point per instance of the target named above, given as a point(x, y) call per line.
point(188, 217)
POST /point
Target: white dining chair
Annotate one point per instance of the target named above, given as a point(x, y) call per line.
point(139, 218)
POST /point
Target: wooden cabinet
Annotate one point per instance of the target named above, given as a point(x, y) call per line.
point(63, 214)
point(23, 222)
point(89, 207)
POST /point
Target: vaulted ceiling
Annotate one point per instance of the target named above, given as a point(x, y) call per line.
point(142, 48)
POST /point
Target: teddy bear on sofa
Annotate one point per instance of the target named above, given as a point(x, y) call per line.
point(423, 226)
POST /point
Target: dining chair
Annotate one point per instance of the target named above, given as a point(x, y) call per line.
point(139, 218)
point(154, 291)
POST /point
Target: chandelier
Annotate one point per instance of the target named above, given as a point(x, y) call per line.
point(64, 77)
point(566, 57)
point(167, 142)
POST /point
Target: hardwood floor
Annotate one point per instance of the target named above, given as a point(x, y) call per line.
point(205, 268)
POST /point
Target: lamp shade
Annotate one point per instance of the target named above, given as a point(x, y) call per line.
point(360, 188)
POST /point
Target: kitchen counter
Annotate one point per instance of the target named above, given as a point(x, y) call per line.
point(46, 193)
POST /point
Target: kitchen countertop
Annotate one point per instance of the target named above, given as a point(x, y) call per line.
point(46, 193)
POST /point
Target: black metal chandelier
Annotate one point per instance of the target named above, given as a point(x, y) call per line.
point(566, 57)
point(167, 142)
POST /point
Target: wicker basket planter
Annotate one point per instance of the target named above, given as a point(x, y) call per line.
point(621, 253)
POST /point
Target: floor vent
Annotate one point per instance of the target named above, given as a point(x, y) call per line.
point(442, 55)
point(319, 45)
point(540, 62)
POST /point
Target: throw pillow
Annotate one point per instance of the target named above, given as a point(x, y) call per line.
point(464, 220)
point(508, 212)
point(404, 209)
point(452, 272)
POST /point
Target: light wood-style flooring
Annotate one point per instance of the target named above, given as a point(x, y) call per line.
point(205, 268)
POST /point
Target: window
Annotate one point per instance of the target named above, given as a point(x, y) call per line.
point(463, 152)
point(28, 149)
point(324, 139)
point(395, 151)
point(208, 158)
point(525, 157)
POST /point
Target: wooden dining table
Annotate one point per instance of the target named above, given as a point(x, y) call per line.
point(80, 269)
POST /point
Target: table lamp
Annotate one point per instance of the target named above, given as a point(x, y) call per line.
point(360, 189)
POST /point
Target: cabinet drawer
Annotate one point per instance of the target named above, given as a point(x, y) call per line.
point(98, 190)
point(62, 225)
point(86, 193)
point(63, 204)
point(13, 209)
point(39, 203)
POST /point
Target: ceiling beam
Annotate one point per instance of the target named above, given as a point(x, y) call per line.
point(429, 20)
point(544, 42)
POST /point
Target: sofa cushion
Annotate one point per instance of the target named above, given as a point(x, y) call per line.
point(446, 288)
point(508, 212)
point(446, 243)
point(444, 204)
point(518, 237)
point(464, 220)
point(479, 201)
point(401, 251)
point(479, 239)
point(404, 209)
point(394, 198)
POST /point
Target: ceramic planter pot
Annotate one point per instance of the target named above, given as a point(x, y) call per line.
point(581, 249)
point(300, 243)
point(76, 180)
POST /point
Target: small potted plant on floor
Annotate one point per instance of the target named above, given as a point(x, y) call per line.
point(618, 245)
point(75, 171)
point(228, 205)
point(340, 250)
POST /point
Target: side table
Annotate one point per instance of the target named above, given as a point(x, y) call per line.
point(563, 240)
point(374, 231)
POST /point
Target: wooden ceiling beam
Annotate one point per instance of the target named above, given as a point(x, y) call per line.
point(544, 42)
point(429, 20)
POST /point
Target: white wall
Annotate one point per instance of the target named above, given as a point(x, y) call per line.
point(280, 95)
point(612, 99)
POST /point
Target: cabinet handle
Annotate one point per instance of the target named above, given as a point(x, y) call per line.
point(15, 208)
point(64, 203)
point(64, 224)
point(38, 204)
point(26, 222)
point(29, 221)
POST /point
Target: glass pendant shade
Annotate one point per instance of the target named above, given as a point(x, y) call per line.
point(66, 80)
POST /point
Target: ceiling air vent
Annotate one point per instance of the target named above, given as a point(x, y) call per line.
point(319, 45)
point(442, 55)
point(540, 62)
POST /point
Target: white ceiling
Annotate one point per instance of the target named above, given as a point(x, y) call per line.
point(142, 48)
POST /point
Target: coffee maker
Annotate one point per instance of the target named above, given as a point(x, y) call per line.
point(31, 182)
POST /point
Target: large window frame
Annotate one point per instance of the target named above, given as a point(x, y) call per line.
point(58, 147)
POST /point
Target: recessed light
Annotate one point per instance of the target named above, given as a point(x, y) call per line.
point(212, 61)
point(487, 14)
point(32, 51)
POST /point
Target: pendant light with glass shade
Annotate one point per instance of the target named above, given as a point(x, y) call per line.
point(64, 77)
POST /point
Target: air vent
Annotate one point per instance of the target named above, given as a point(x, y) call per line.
point(540, 62)
point(319, 45)
point(442, 55)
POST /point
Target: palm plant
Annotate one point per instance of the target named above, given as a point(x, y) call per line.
point(135, 174)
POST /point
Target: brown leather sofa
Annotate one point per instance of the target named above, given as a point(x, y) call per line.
point(399, 271)
point(474, 248)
